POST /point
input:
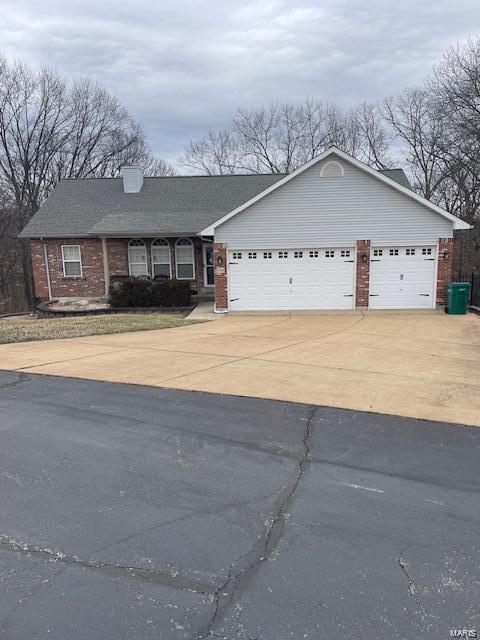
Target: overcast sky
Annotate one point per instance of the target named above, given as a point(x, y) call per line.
point(183, 67)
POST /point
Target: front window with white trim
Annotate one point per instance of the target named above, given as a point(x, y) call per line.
point(184, 259)
point(72, 261)
point(137, 258)
point(161, 263)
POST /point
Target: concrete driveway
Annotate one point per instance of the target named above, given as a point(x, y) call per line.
point(414, 364)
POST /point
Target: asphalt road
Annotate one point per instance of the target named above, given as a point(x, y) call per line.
point(135, 512)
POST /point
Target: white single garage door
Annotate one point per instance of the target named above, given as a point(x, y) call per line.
point(291, 279)
point(402, 277)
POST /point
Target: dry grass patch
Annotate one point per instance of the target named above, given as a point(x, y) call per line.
point(24, 330)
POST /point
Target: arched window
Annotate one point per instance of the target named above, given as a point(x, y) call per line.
point(184, 259)
point(332, 169)
point(137, 258)
point(161, 263)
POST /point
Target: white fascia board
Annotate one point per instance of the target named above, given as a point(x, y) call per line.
point(457, 222)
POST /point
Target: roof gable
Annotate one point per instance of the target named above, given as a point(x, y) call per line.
point(333, 151)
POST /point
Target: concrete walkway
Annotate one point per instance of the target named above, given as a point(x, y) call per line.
point(413, 364)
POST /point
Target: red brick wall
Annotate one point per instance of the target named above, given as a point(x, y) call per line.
point(444, 270)
point(38, 268)
point(117, 249)
point(91, 284)
point(363, 273)
point(117, 256)
point(221, 276)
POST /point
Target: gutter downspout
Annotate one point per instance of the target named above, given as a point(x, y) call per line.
point(106, 270)
point(47, 271)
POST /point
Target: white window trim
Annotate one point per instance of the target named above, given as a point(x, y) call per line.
point(169, 256)
point(192, 263)
point(130, 263)
point(80, 260)
point(322, 170)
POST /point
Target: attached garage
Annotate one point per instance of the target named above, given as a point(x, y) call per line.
point(334, 234)
point(402, 277)
point(282, 279)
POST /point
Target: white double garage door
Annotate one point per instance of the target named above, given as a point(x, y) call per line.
point(324, 278)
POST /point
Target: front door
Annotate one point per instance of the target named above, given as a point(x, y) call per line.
point(208, 269)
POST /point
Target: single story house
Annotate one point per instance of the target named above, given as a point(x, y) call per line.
point(334, 234)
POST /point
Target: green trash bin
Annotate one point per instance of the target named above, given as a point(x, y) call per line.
point(458, 294)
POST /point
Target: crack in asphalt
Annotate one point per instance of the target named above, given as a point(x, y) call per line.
point(412, 587)
point(130, 423)
point(243, 566)
point(174, 578)
point(240, 569)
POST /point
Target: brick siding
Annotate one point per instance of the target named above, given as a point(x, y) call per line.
point(221, 276)
point(91, 284)
point(444, 269)
point(363, 273)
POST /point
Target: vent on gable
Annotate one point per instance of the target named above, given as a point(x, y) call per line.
point(332, 169)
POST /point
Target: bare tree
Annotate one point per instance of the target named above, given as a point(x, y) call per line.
point(454, 87)
point(366, 136)
point(419, 131)
point(283, 136)
point(156, 167)
point(216, 153)
point(49, 130)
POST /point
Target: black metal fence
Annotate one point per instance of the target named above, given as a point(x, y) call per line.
point(474, 280)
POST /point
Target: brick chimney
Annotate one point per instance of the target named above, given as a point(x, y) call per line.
point(132, 179)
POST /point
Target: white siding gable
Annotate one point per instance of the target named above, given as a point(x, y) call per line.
point(314, 210)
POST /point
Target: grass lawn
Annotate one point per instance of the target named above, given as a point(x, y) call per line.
point(23, 330)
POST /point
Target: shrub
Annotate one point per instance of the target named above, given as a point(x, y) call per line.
point(139, 292)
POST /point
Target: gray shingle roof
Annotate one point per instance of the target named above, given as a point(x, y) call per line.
point(164, 206)
point(398, 175)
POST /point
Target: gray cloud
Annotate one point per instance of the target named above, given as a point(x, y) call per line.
point(182, 67)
